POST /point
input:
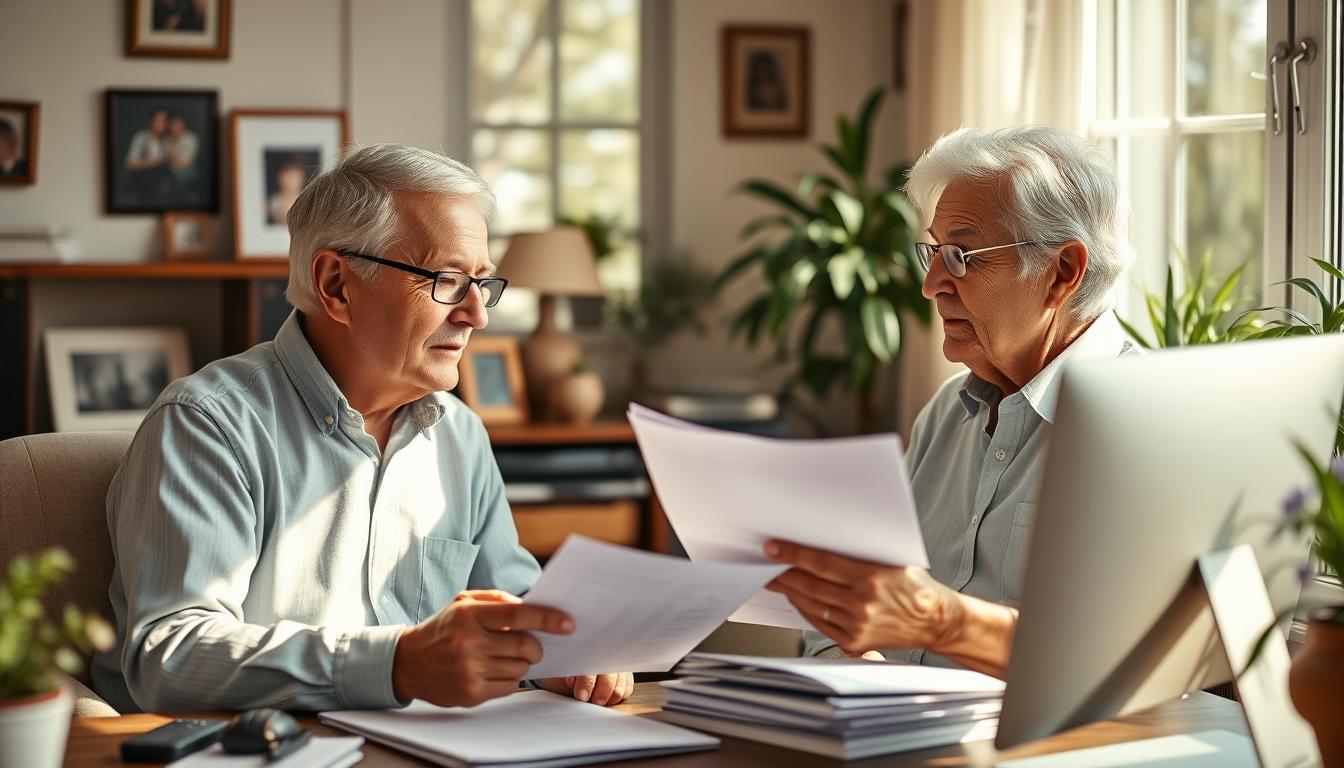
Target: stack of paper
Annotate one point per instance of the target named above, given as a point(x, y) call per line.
point(726, 493)
point(33, 244)
point(840, 708)
point(526, 729)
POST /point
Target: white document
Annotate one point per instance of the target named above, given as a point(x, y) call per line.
point(1206, 749)
point(726, 493)
point(842, 677)
point(528, 728)
point(634, 611)
point(321, 752)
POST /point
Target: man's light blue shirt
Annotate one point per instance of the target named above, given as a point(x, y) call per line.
point(268, 554)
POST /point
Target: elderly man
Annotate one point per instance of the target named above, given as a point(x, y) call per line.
point(1028, 240)
point(314, 524)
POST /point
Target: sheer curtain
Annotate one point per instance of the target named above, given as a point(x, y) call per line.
point(983, 64)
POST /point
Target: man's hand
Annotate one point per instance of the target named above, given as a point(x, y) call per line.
point(475, 649)
point(603, 690)
point(863, 606)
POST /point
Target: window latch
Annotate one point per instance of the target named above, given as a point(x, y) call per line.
point(1306, 52)
point(1280, 55)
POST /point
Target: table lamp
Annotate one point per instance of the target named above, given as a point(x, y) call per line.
point(557, 262)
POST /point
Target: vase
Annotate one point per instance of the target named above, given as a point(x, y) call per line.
point(1316, 678)
point(33, 729)
point(576, 398)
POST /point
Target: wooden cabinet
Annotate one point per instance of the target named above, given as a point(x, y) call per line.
point(225, 308)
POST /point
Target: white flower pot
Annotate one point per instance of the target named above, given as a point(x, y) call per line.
point(33, 729)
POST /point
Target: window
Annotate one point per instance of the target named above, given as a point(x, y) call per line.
point(1180, 102)
point(556, 118)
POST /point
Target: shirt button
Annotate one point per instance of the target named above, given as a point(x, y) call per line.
point(386, 599)
point(330, 421)
point(974, 519)
point(1000, 454)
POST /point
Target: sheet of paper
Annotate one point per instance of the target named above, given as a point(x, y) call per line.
point(525, 727)
point(1206, 749)
point(725, 493)
point(848, 677)
point(634, 611)
point(321, 752)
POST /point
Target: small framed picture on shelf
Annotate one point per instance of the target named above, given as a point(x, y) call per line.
point(188, 29)
point(490, 380)
point(275, 154)
point(186, 235)
point(18, 142)
point(162, 151)
point(766, 81)
point(107, 378)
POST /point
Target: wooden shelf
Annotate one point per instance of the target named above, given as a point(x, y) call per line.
point(553, 434)
point(150, 270)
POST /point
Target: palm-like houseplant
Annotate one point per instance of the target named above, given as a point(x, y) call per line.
point(1199, 313)
point(841, 252)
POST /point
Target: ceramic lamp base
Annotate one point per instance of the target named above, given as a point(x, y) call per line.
point(548, 354)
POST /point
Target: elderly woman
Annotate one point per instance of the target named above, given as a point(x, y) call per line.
point(1028, 238)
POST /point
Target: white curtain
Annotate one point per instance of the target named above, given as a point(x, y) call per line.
point(984, 64)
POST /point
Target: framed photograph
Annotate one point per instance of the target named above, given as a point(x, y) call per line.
point(18, 142)
point(275, 154)
point(491, 380)
point(106, 378)
point(193, 29)
point(766, 82)
point(162, 151)
point(186, 235)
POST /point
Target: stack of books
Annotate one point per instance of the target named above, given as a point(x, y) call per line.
point(34, 244)
point(840, 708)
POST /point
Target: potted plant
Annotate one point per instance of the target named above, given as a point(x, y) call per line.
point(34, 705)
point(673, 297)
point(843, 256)
point(576, 397)
point(1197, 314)
point(1317, 674)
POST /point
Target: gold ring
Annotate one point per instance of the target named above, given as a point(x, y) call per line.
point(826, 615)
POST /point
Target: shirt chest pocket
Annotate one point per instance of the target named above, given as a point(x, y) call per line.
point(445, 569)
point(1015, 558)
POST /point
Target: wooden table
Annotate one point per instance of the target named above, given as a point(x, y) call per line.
point(94, 741)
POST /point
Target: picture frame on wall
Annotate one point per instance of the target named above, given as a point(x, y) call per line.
point(161, 151)
point(191, 29)
point(18, 142)
point(186, 235)
point(107, 378)
point(275, 154)
point(766, 81)
point(490, 380)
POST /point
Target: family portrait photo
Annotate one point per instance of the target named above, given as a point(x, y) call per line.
point(766, 82)
point(18, 142)
point(162, 151)
point(178, 28)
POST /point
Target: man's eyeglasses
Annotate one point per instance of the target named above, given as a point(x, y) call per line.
point(954, 258)
point(449, 287)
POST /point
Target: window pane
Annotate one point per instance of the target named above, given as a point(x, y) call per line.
point(619, 271)
point(599, 174)
point(511, 52)
point(1224, 198)
point(599, 60)
point(1142, 165)
point(1140, 66)
point(516, 164)
point(1226, 44)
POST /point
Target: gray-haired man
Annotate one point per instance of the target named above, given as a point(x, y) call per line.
point(314, 524)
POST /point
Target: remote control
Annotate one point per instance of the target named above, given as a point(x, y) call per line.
point(171, 741)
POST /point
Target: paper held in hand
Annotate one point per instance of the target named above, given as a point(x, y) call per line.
point(726, 493)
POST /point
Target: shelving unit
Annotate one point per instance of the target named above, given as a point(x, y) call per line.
point(225, 306)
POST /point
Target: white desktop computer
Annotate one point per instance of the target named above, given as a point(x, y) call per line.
point(1155, 461)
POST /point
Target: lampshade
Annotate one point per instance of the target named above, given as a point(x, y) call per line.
point(558, 261)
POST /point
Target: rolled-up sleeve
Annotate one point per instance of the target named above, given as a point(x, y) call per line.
point(187, 527)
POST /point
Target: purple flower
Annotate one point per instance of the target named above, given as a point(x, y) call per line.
point(1294, 504)
point(1337, 468)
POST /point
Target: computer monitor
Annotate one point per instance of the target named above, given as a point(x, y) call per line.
point(1155, 460)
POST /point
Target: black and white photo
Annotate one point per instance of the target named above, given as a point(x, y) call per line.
point(107, 378)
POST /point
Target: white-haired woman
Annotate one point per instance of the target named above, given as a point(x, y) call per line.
point(1026, 238)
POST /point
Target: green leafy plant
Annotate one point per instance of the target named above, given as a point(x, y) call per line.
point(33, 650)
point(673, 297)
point(1201, 313)
point(601, 233)
point(842, 251)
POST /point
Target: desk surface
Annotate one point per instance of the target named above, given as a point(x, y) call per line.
point(94, 741)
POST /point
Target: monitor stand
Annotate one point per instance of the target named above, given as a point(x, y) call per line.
point(1241, 610)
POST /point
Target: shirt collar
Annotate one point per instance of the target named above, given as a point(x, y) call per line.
point(325, 402)
point(1102, 340)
